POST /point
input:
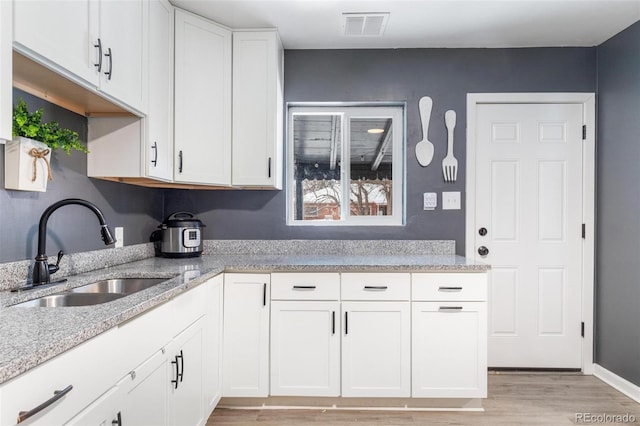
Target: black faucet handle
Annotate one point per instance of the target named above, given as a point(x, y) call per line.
point(55, 268)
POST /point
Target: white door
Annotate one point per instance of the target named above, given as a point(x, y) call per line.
point(528, 192)
point(305, 348)
point(202, 104)
point(376, 346)
point(245, 359)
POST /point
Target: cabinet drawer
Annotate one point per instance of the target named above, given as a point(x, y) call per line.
point(375, 286)
point(88, 367)
point(189, 307)
point(449, 286)
point(305, 286)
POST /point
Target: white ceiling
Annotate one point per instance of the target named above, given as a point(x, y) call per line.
point(317, 24)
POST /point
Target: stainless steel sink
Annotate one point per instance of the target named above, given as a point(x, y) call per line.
point(95, 293)
point(124, 286)
point(70, 299)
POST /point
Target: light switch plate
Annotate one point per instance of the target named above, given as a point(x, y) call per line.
point(430, 201)
point(119, 231)
point(451, 200)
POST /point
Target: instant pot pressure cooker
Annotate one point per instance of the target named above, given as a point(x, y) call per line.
point(179, 236)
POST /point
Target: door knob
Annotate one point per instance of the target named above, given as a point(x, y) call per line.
point(483, 251)
point(482, 231)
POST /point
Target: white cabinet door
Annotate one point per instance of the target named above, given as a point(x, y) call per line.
point(257, 109)
point(213, 344)
point(246, 335)
point(449, 356)
point(159, 138)
point(123, 33)
point(145, 393)
point(185, 367)
point(305, 348)
point(102, 412)
point(6, 70)
point(202, 101)
point(62, 32)
point(376, 349)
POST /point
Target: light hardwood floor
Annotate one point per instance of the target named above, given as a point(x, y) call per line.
point(514, 399)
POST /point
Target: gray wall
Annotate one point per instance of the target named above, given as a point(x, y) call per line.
point(446, 75)
point(72, 228)
point(618, 205)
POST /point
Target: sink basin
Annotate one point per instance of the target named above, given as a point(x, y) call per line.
point(70, 299)
point(95, 293)
point(122, 286)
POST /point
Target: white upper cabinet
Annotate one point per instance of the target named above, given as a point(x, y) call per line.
point(159, 140)
point(257, 109)
point(61, 32)
point(202, 101)
point(123, 35)
point(98, 44)
point(5, 70)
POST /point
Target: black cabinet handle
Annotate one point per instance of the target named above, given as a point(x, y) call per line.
point(181, 374)
point(57, 395)
point(375, 287)
point(269, 167)
point(346, 323)
point(443, 288)
point(99, 64)
point(264, 294)
point(180, 161)
point(333, 322)
point(155, 154)
point(110, 72)
point(483, 251)
point(450, 308)
point(175, 362)
point(118, 420)
point(304, 287)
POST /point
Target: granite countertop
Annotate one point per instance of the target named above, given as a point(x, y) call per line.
point(30, 336)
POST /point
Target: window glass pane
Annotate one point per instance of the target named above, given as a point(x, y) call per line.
point(371, 182)
point(317, 145)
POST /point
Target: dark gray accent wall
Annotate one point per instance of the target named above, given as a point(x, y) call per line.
point(618, 205)
point(72, 228)
point(446, 75)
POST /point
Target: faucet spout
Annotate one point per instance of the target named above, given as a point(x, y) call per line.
point(41, 270)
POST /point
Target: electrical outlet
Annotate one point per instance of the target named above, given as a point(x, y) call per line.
point(451, 200)
point(429, 200)
point(119, 230)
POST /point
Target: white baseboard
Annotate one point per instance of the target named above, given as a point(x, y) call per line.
point(617, 382)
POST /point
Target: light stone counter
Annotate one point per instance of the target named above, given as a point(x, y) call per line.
point(31, 336)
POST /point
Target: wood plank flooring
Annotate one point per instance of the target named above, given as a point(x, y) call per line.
point(514, 399)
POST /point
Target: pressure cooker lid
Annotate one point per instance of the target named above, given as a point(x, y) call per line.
point(182, 220)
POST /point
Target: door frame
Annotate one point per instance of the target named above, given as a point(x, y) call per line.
point(587, 100)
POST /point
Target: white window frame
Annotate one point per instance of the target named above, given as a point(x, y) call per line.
point(347, 111)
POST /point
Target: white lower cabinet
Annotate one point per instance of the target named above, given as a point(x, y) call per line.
point(246, 335)
point(376, 349)
point(212, 353)
point(449, 335)
point(305, 348)
point(449, 349)
point(186, 405)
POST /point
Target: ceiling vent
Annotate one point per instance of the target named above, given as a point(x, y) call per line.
point(364, 24)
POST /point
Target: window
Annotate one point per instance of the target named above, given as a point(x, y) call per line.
point(345, 164)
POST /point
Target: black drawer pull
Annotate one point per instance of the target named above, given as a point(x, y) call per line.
point(181, 374)
point(375, 287)
point(333, 322)
point(264, 294)
point(346, 323)
point(450, 308)
point(176, 381)
point(442, 288)
point(57, 395)
point(304, 287)
point(118, 420)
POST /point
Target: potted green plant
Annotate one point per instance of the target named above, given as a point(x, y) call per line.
point(27, 157)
